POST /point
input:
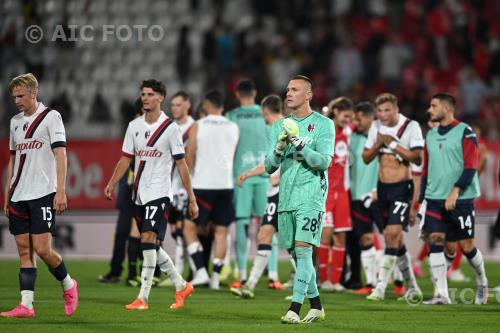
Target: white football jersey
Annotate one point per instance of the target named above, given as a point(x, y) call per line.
point(177, 186)
point(32, 140)
point(406, 133)
point(215, 148)
point(155, 147)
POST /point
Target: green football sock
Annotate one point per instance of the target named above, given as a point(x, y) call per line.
point(241, 246)
point(272, 264)
point(305, 269)
point(312, 290)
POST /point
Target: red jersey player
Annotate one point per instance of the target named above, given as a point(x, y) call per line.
point(338, 214)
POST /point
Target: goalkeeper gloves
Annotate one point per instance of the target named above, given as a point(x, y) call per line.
point(292, 131)
point(280, 144)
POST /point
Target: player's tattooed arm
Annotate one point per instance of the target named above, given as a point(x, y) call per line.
point(186, 181)
point(60, 200)
point(120, 169)
point(10, 171)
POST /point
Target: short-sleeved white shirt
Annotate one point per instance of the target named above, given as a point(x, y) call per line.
point(216, 143)
point(406, 133)
point(32, 140)
point(177, 186)
point(155, 147)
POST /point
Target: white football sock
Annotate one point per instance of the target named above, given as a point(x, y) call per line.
point(259, 264)
point(215, 279)
point(369, 264)
point(243, 274)
point(67, 283)
point(404, 264)
point(386, 268)
point(147, 273)
point(271, 275)
point(478, 264)
point(396, 273)
point(166, 266)
point(437, 263)
point(243, 271)
point(179, 254)
point(27, 298)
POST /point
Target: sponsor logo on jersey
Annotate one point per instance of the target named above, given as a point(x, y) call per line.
point(148, 153)
point(306, 140)
point(35, 144)
point(310, 128)
point(249, 116)
point(341, 149)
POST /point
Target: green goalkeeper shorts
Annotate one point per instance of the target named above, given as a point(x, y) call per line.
point(300, 226)
point(251, 199)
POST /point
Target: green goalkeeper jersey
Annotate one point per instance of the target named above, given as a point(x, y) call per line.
point(364, 177)
point(303, 185)
point(252, 146)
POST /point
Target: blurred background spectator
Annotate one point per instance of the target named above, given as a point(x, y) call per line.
point(358, 48)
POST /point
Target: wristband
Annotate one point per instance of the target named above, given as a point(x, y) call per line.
point(298, 144)
point(393, 145)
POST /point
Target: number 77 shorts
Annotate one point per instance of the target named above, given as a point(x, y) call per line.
point(300, 226)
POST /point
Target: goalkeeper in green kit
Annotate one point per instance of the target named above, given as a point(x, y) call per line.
point(301, 145)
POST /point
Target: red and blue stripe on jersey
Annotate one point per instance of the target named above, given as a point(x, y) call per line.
point(151, 142)
point(22, 158)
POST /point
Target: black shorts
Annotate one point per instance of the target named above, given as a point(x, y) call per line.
point(179, 209)
point(271, 213)
point(36, 216)
point(364, 218)
point(394, 200)
point(216, 206)
point(153, 216)
point(458, 224)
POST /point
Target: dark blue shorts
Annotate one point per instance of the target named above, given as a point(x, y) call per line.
point(153, 216)
point(364, 218)
point(36, 216)
point(457, 224)
point(216, 206)
point(394, 200)
point(271, 214)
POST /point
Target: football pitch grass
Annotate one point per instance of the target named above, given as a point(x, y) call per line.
point(101, 308)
